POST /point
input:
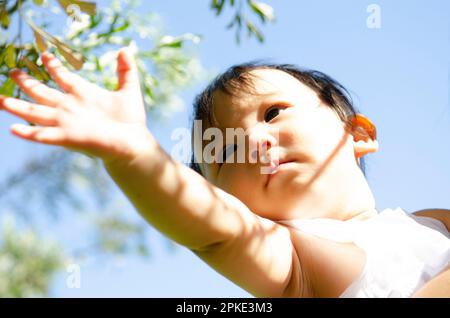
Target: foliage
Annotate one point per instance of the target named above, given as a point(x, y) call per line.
point(165, 67)
point(241, 20)
point(27, 263)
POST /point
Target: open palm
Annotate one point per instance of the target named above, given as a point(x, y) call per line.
point(83, 116)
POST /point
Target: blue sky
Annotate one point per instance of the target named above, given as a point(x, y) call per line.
point(399, 77)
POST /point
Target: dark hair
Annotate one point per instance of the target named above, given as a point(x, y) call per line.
point(237, 78)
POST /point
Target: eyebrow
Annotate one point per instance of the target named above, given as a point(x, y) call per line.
point(261, 103)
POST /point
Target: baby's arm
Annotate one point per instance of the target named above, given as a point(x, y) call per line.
point(255, 253)
point(442, 215)
point(439, 286)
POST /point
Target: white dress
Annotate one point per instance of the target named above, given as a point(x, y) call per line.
point(403, 251)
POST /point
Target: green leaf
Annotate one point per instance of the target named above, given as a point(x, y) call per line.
point(176, 41)
point(98, 66)
point(38, 2)
point(84, 6)
point(95, 20)
point(4, 18)
point(123, 27)
point(7, 88)
point(10, 56)
point(35, 70)
point(263, 10)
point(40, 42)
point(218, 6)
point(253, 30)
point(173, 44)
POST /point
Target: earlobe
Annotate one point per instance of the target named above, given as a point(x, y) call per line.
point(364, 147)
point(364, 135)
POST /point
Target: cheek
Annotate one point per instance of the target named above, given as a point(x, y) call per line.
point(237, 181)
point(316, 135)
point(331, 133)
point(228, 178)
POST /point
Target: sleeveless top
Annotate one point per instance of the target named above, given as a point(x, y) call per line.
point(403, 251)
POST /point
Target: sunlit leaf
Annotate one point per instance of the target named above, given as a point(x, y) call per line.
point(218, 6)
point(263, 10)
point(4, 18)
point(35, 70)
point(123, 27)
point(84, 6)
point(10, 56)
point(170, 41)
point(40, 42)
point(38, 2)
point(72, 57)
point(7, 88)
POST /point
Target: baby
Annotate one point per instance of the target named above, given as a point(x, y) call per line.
point(294, 217)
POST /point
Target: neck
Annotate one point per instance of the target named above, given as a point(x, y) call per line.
point(351, 199)
point(360, 202)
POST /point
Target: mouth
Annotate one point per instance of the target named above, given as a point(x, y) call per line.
point(276, 168)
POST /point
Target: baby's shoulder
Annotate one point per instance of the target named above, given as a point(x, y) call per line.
point(440, 215)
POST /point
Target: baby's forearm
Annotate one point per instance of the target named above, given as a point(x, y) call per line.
point(173, 198)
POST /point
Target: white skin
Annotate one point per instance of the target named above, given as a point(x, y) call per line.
point(234, 231)
point(323, 178)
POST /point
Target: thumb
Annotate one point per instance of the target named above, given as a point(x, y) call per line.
point(127, 72)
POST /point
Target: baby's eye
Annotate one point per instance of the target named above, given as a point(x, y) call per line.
point(227, 151)
point(272, 112)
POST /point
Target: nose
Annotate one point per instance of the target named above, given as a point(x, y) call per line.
point(260, 142)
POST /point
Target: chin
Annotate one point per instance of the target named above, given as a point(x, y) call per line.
point(272, 215)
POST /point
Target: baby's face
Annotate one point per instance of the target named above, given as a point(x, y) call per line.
point(306, 137)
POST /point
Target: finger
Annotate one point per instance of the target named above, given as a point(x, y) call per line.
point(46, 135)
point(34, 113)
point(68, 81)
point(127, 72)
point(2, 98)
point(38, 91)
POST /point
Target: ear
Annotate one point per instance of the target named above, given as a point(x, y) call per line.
point(364, 135)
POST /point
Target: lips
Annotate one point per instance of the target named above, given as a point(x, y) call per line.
point(281, 162)
point(276, 168)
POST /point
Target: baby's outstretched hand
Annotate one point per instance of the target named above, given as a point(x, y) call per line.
point(83, 117)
